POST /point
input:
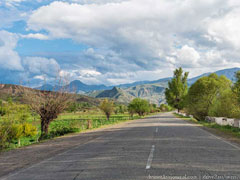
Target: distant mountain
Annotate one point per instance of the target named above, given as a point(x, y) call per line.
point(154, 93)
point(143, 82)
point(79, 86)
point(82, 88)
point(150, 90)
point(229, 73)
point(117, 94)
point(75, 85)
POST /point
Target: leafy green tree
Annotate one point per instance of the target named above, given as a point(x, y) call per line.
point(177, 89)
point(120, 109)
point(139, 106)
point(165, 108)
point(131, 109)
point(226, 105)
point(204, 93)
point(107, 106)
point(236, 86)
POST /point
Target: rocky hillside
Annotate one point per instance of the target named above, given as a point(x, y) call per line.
point(152, 92)
point(9, 90)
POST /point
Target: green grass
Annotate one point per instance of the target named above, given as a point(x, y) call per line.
point(72, 123)
point(234, 131)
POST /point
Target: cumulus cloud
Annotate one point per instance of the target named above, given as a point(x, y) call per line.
point(186, 57)
point(35, 36)
point(40, 65)
point(144, 34)
point(9, 59)
point(16, 69)
point(225, 30)
point(140, 39)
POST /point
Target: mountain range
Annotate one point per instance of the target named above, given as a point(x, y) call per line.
point(150, 90)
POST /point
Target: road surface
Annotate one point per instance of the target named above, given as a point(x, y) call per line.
point(160, 147)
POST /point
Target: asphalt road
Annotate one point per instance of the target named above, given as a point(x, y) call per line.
point(160, 147)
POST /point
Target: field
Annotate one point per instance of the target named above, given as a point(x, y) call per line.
point(72, 123)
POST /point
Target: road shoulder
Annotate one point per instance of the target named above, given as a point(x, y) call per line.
point(226, 136)
point(24, 157)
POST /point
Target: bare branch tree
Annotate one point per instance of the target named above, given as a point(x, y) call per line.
point(48, 104)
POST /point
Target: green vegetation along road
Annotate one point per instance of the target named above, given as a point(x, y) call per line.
point(157, 147)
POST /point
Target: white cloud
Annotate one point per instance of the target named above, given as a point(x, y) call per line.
point(139, 39)
point(40, 77)
point(35, 36)
point(40, 65)
point(225, 30)
point(142, 33)
point(9, 59)
point(187, 57)
point(15, 69)
point(89, 73)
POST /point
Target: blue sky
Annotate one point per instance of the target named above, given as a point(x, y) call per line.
point(116, 41)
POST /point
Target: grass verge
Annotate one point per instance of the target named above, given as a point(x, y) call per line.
point(72, 123)
point(227, 130)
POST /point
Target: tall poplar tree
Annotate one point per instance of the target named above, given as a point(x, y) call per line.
point(177, 89)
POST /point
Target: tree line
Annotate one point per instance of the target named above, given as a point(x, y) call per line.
point(46, 106)
point(211, 95)
point(136, 106)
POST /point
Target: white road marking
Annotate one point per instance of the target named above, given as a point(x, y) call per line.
point(150, 158)
point(156, 129)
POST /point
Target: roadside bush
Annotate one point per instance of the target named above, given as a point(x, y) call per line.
point(139, 106)
point(4, 132)
point(16, 132)
point(13, 124)
point(11, 132)
point(62, 131)
point(29, 130)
